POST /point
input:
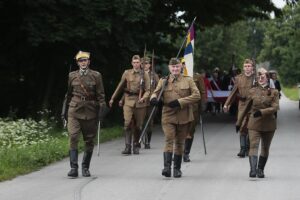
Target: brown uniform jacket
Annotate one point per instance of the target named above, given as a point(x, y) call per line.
point(266, 100)
point(241, 89)
point(85, 104)
point(130, 84)
point(185, 91)
point(201, 87)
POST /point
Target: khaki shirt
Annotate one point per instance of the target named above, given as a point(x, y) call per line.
point(84, 105)
point(185, 91)
point(130, 84)
point(241, 89)
point(265, 100)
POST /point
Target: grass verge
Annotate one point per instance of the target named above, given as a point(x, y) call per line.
point(18, 161)
point(291, 93)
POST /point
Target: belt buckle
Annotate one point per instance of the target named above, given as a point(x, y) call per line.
point(83, 98)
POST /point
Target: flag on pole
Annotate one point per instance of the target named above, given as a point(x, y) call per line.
point(189, 53)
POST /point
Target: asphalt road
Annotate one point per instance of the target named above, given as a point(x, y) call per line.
point(219, 175)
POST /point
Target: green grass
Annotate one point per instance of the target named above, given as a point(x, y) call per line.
point(14, 161)
point(291, 93)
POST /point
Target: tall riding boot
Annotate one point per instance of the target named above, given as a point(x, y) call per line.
point(253, 165)
point(136, 148)
point(87, 156)
point(261, 166)
point(148, 140)
point(243, 150)
point(167, 164)
point(73, 163)
point(127, 149)
point(247, 145)
point(187, 149)
point(177, 166)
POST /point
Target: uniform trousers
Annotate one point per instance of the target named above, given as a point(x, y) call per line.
point(265, 137)
point(175, 134)
point(88, 128)
point(136, 114)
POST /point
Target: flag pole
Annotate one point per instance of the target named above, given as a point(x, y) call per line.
point(185, 37)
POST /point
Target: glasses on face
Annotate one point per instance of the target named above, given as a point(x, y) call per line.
point(82, 60)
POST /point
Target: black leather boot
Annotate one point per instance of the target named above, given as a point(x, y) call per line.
point(187, 149)
point(261, 166)
point(243, 150)
point(177, 166)
point(167, 164)
point(253, 166)
point(127, 150)
point(148, 139)
point(73, 163)
point(136, 148)
point(87, 156)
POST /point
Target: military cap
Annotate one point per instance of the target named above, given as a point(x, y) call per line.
point(146, 60)
point(174, 61)
point(82, 54)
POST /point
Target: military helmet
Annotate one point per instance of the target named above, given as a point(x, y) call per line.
point(174, 61)
point(82, 54)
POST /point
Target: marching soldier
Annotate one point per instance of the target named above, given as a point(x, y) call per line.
point(179, 93)
point(136, 85)
point(244, 82)
point(86, 100)
point(153, 77)
point(263, 103)
point(197, 108)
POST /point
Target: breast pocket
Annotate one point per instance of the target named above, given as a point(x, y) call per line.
point(91, 85)
point(184, 90)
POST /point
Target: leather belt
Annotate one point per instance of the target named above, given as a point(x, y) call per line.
point(131, 93)
point(84, 98)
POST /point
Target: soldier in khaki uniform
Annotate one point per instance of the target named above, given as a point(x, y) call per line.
point(136, 87)
point(243, 83)
point(153, 77)
point(263, 103)
point(179, 95)
point(197, 108)
point(86, 99)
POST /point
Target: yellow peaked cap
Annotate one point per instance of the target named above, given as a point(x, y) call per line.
point(82, 54)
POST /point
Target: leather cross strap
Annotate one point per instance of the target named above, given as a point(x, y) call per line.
point(83, 87)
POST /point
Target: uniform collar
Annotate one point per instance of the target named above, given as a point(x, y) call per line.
point(83, 72)
point(135, 71)
point(174, 78)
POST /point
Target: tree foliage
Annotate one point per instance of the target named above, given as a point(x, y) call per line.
point(281, 45)
point(41, 37)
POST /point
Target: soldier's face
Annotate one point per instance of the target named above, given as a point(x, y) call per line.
point(248, 68)
point(83, 63)
point(147, 66)
point(136, 64)
point(262, 78)
point(175, 69)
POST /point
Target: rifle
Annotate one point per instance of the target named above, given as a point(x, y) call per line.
point(65, 106)
point(152, 77)
point(203, 137)
point(165, 83)
point(142, 81)
point(254, 73)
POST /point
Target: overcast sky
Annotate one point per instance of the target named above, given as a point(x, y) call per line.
point(279, 3)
